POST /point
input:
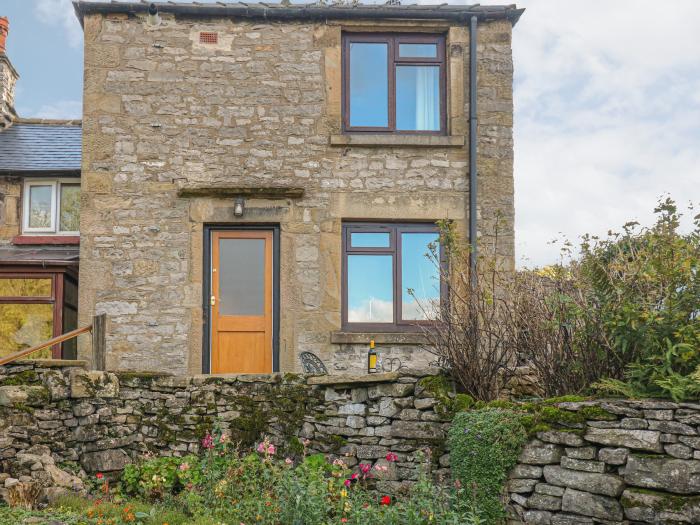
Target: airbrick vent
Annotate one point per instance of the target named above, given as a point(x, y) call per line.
point(208, 37)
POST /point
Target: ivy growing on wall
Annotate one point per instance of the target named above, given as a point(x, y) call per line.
point(484, 447)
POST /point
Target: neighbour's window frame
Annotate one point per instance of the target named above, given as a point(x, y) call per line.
point(395, 230)
point(56, 184)
point(55, 299)
point(393, 40)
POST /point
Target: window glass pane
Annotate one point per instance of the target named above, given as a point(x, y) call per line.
point(70, 292)
point(370, 240)
point(418, 50)
point(69, 214)
point(241, 276)
point(369, 85)
point(40, 206)
point(25, 287)
point(370, 289)
point(25, 325)
point(69, 350)
point(420, 296)
point(418, 98)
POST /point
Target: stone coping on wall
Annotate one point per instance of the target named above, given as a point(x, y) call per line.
point(397, 140)
point(391, 338)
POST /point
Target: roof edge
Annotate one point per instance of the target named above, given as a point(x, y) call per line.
point(281, 12)
point(49, 121)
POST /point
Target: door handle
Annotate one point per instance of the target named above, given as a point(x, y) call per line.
point(212, 300)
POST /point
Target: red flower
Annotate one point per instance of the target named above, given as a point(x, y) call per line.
point(100, 475)
point(391, 457)
point(386, 500)
point(343, 520)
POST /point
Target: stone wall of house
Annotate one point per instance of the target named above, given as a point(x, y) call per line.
point(10, 205)
point(165, 114)
point(636, 462)
point(75, 419)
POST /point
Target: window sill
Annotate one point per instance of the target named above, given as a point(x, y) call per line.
point(398, 141)
point(389, 338)
point(46, 239)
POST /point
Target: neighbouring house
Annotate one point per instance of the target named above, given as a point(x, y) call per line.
point(264, 180)
point(39, 223)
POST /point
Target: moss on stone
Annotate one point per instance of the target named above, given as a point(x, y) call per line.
point(664, 501)
point(26, 377)
point(597, 413)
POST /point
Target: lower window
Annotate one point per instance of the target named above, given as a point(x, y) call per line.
point(35, 307)
point(391, 277)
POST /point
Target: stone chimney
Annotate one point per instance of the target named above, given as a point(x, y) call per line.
point(8, 78)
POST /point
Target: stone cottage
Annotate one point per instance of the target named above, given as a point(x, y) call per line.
point(39, 223)
point(263, 180)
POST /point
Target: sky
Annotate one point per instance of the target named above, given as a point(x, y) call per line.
point(607, 107)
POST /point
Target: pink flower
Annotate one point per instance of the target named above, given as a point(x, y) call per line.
point(208, 441)
point(271, 449)
point(365, 468)
point(381, 468)
point(355, 475)
point(348, 482)
point(99, 475)
point(261, 447)
point(288, 461)
point(184, 466)
point(391, 457)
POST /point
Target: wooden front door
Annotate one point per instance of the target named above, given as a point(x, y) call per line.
point(241, 302)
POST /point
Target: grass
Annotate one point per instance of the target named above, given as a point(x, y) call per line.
point(74, 510)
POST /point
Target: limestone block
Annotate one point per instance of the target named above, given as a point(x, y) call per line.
point(84, 384)
point(544, 502)
point(526, 471)
point(674, 475)
point(605, 484)
point(613, 456)
point(12, 395)
point(635, 439)
point(105, 460)
point(561, 438)
point(582, 464)
point(593, 505)
point(659, 507)
point(538, 453)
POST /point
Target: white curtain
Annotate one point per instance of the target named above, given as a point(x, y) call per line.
point(427, 105)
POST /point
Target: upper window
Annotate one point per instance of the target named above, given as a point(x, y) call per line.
point(394, 83)
point(52, 206)
point(392, 275)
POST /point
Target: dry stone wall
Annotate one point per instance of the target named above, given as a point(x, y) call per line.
point(101, 421)
point(638, 463)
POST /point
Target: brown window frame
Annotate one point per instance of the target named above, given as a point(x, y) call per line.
point(395, 229)
point(393, 40)
point(58, 278)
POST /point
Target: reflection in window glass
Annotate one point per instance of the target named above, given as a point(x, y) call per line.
point(25, 287)
point(69, 213)
point(370, 240)
point(418, 50)
point(40, 206)
point(369, 85)
point(418, 98)
point(242, 276)
point(25, 325)
point(420, 274)
point(370, 289)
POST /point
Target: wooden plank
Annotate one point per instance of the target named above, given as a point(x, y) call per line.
point(53, 341)
point(228, 192)
point(99, 342)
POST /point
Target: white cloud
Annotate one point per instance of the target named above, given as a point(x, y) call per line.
point(607, 116)
point(64, 109)
point(60, 13)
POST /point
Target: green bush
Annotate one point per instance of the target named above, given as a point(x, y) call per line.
point(484, 447)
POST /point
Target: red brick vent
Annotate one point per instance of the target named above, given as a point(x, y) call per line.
point(206, 37)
